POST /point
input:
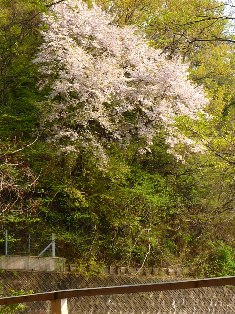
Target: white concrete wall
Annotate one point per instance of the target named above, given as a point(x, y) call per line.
point(32, 263)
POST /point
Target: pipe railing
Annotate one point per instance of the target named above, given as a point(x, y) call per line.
point(59, 298)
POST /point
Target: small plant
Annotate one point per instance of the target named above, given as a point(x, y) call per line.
point(14, 308)
point(219, 262)
point(90, 268)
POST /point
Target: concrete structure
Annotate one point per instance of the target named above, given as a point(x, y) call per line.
point(32, 263)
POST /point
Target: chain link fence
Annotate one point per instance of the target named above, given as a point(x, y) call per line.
point(219, 300)
point(203, 300)
point(14, 243)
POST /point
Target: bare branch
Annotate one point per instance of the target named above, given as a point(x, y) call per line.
point(54, 3)
point(213, 39)
point(20, 149)
point(207, 18)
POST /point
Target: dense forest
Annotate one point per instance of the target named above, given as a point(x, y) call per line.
point(117, 127)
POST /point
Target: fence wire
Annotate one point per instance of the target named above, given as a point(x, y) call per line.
point(203, 300)
point(218, 300)
point(28, 245)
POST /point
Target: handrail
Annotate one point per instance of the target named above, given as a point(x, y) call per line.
point(162, 286)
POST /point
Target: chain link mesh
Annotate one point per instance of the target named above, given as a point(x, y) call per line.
point(30, 245)
point(218, 300)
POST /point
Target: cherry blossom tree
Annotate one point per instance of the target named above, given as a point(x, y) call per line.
point(108, 84)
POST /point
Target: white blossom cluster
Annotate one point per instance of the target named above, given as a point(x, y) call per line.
point(107, 83)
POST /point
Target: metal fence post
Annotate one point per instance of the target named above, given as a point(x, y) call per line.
point(53, 245)
point(29, 245)
point(6, 242)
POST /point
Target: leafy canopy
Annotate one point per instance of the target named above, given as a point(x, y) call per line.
point(108, 84)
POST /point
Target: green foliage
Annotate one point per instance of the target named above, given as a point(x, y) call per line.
point(19, 38)
point(219, 260)
point(222, 261)
point(89, 267)
point(14, 308)
point(147, 209)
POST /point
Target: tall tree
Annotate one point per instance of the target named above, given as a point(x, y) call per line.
point(107, 84)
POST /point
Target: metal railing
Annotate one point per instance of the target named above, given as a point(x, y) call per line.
point(59, 298)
